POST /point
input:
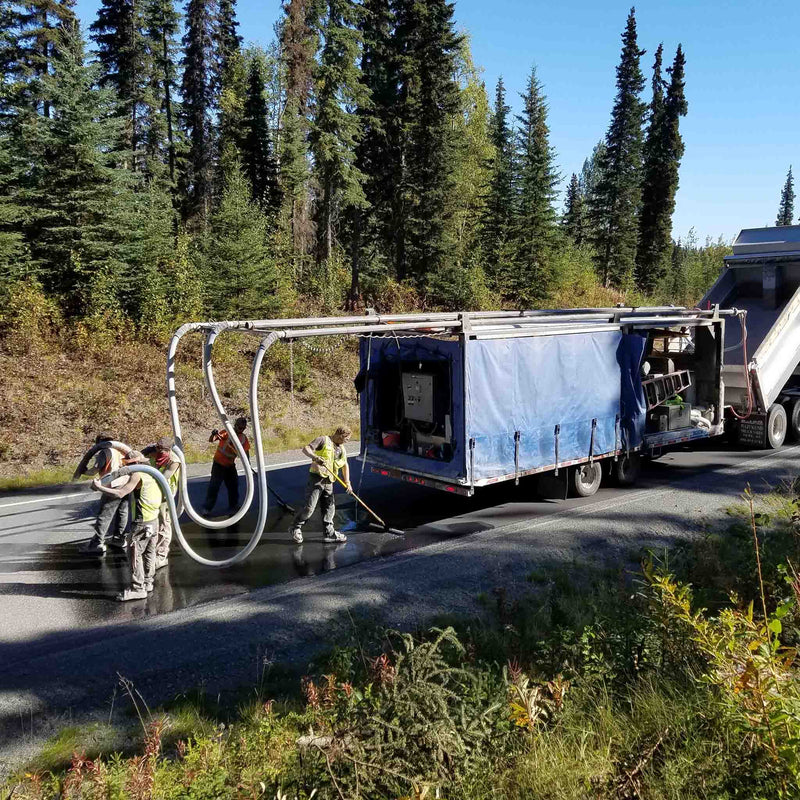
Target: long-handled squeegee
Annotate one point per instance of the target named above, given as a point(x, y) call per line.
point(395, 531)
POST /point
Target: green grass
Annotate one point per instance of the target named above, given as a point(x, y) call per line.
point(41, 477)
point(577, 684)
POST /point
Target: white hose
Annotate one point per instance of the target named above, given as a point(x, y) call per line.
point(266, 343)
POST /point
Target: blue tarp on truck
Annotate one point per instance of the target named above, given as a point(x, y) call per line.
point(498, 390)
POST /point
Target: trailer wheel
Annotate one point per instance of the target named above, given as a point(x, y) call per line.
point(626, 469)
point(776, 426)
point(586, 479)
point(793, 412)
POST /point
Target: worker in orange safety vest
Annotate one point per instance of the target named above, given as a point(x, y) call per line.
point(223, 469)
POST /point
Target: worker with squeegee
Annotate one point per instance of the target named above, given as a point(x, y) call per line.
point(328, 456)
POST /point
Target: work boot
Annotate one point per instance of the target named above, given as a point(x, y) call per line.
point(334, 537)
point(93, 548)
point(297, 535)
point(132, 594)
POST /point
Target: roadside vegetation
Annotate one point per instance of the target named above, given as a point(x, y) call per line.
point(676, 679)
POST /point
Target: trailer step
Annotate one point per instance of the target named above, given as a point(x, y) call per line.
point(660, 388)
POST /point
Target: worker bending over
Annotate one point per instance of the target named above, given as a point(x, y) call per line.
point(163, 459)
point(112, 513)
point(328, 456)
point(144, 530)
point(223, 469)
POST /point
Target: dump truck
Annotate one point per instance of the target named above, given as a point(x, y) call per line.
point(760, 373)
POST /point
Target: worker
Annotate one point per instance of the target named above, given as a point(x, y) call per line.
point(223, 468)
point(144, 530)
point(165, 461)
point(112, 513)
point(328, 456)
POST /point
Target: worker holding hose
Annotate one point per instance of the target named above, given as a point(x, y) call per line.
point(143, 535)
point(223, 468)
point(328, 457)
point(112, 513)
point(162, 458)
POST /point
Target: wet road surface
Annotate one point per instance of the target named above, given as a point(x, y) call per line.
point(49, 587)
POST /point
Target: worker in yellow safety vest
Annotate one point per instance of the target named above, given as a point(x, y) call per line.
point(144, 530)
point(167, 463)
point(328, 457)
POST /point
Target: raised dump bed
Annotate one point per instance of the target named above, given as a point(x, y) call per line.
point(762, 277)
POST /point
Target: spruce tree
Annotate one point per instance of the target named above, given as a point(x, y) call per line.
point(427, 47)
point(299, 44)
point(36, 42)
point(615, 201)
point(122, 52)
point(162, 24)
point(75, 198)
point(663, 152)
point(377, 152)
point(786, 207)
point(259, 163)
point(336, 128)
point(574, 219)
point(535, 230)
point(500, 200)
point(198, 104)
point(243, 277)
point(229, 83)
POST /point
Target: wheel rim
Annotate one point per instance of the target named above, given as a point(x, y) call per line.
point(587, 475)
point(778, 427)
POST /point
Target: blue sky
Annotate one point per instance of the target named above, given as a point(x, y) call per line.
point(742, 84)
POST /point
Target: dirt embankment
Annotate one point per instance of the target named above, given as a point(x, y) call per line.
point(56, 396)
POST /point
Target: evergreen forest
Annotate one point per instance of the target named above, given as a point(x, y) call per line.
point(154, 168)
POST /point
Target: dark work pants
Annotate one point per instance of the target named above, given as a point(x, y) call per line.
point(142, 553)
point(112, 518)
point(318, 490)
point(230, 477)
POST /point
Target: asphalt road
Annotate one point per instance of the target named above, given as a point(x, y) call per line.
point(63, 638)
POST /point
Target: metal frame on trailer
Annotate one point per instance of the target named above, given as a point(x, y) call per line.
point(466, 325)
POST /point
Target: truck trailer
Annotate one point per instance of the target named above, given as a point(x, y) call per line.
point(501, 399)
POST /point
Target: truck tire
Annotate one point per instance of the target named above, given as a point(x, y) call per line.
point(792, 407)
point(586, 479)
point(776, 426)
point(625, 470)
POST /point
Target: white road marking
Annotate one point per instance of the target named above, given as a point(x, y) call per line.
point(43, 499)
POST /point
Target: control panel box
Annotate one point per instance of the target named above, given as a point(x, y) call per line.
point(418, 396)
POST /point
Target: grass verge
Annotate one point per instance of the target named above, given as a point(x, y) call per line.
point(677, 681)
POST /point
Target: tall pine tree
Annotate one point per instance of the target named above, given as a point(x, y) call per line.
point(574, 219)
point(615, 201)
point(259, 163)
point(535, 222)
point(336, 128)
point(663, 153)
point(162, 25)
point(299, 45)
point(76, 198)
point(500, 200)
point(123, 54)
point(377, 153)
point(229, 84)
point(427, 47)
point(198, 104)
point(786, 207)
